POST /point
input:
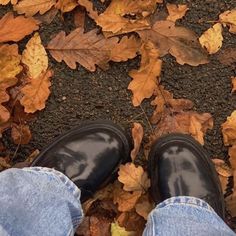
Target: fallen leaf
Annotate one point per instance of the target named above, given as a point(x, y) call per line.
point(88, 5)
point(232, 154)
point(35, 57)
point(79, 18)
point(222, 168)
point(48, 17)
point(4, 163)
point(224, 181)
point(229, 18)
point(212, 38)
point(134, 178)
point(145, 79)
point(126, 201)
point(99, 226)
point(66, 5)
point(126, 49)
point(231, 200)
point(30, 8)
point(227, 56)
point(137, 135)
point(11, 29)
point(176, 12)
point(5, 2)
point(21, 134)
point(144, 206)
point(36, 92)
point(229, 130)
point(88, 49)
point(116, 230)
point(233, 80)
point(180, 42)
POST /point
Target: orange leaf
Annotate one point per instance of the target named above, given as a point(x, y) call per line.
point(36, 92)
point(5, 2)
point(222, 168)
point(145, 78)
point(21, 134)
point(234, 84)
point(137, 135)
point(15, 29)
point(66, 5)
point(229, 130)
point(232, 154)
point(176, 12)
point(88, 5)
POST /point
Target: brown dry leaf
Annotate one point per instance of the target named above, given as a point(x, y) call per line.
point(232, 154)
point(180, 42)
point(126, 201)
point(5, 2)
point(15, 29)
point(233, 79)
point(229, 18)
point(21, 134)
point(176, 12)
point(231, 200)
point(48, 17)
point(134, 178)
point(126, 49)
point(79, 18)
point(88, 49)
point(88, 5)
point(227, 56)
point(212, 39)
point(137, 135)
point(144, 206)
point(222, 168)
point(145, 79)
point(36, 92)
point(116, 230)
point(66, 5)
point(30, 8)
point(224, 183)
point(229, 130)
point(35, 57)
point(4, 163)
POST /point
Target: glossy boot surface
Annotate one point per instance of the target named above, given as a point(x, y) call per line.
point(179, 166)
point(89, 155)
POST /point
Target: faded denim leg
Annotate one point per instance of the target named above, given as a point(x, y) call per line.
point(38, 201)
point(185, 216)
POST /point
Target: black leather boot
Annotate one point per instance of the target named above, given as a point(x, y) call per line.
point(89, 155)
point(179, 166)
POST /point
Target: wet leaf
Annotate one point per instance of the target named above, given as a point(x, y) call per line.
point(36, 92)
point(145, 79)
point(137, 135)
point(30, 8)
point(176, 12)
point(134, 178)
point(21, 134)
point(15, 29)
point(35, 57)
point(212, 38)
point(180, 42)
point(116, 230)
point(229, 130)
point(88, 49)
point(66, 5)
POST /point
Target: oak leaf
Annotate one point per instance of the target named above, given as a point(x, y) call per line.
point(116, 230)
point(66, 5)
point(229, 130)
point(5, 2)
point(180, 42)
point(35, 57)
point(134, 178)
point(232, 155)
point(126, 49)
point(229, 18)
point(233, 79)
point(36, 92)
point(137, 135)
point(88, 49)
point(176, 12)
point(21, 134)
point(88, 5)
point(30, 8)
point(15, 29)
point(222, 168)
point(145, 79)
point(212, 38)
point(144, 206)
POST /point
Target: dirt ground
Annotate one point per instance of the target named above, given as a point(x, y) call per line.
point(79, 95)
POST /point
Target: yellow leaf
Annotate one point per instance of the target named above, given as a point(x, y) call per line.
point(35, 57)
point(116, 230)
point(66, 5)
point(5, 2)
point(15, 29)
point(176, 11)
point(9, 62)
point(233, 79)
point(134, 178)
point(36, 92)
point(229, 18)
point(30, 8)
point(145, 79)
point(229, 130)
point(137, 135)
point(126, 49)
point(212, 38)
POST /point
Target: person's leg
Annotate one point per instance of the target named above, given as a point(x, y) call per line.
point(184, 180)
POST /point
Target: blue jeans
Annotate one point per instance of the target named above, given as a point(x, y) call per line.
point(39, 201)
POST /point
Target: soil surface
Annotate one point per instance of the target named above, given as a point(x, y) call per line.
point(78, 95)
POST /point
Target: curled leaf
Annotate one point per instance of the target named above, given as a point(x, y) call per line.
point(176, 12)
